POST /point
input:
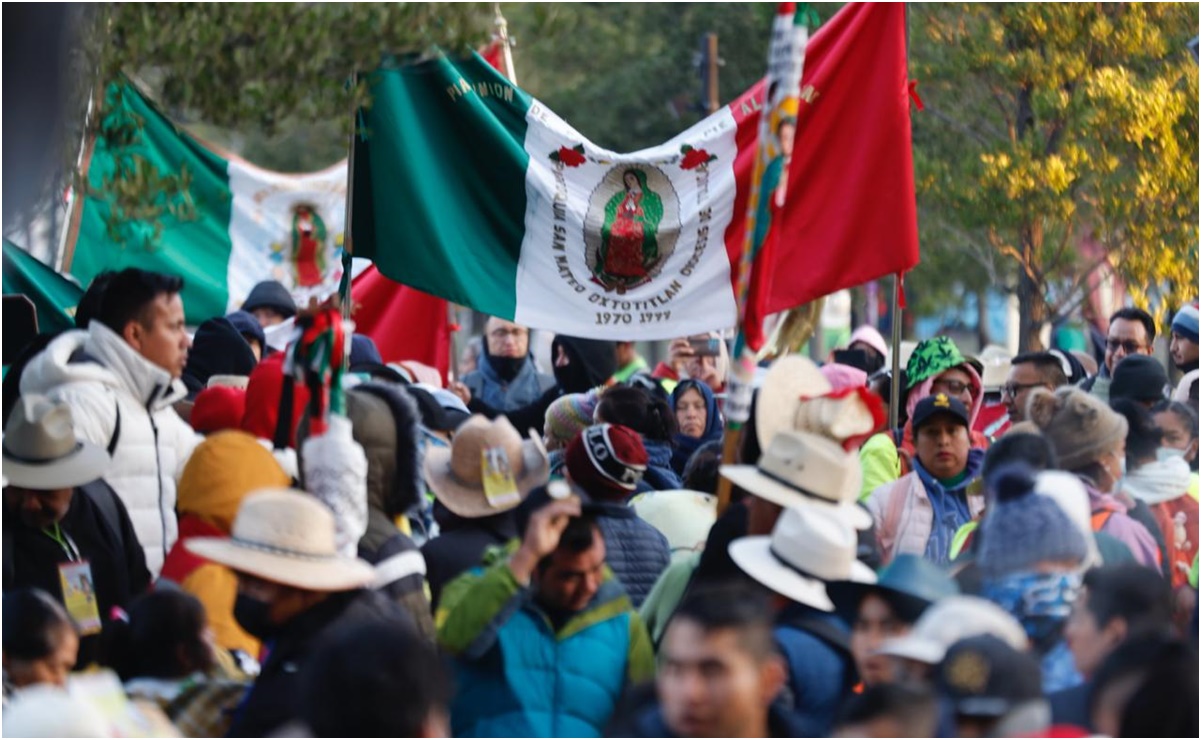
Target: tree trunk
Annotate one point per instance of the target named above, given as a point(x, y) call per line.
point(982, 333)
point(1032, 304)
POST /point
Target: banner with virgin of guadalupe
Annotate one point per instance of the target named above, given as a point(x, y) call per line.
point(468, 188)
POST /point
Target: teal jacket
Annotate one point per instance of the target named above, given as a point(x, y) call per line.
point(517, 677)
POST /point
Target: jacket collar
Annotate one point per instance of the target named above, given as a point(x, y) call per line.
point(151, 385)
point(975, 461)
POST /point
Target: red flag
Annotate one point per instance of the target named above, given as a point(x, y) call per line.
point(405, 323)
point(850, 215)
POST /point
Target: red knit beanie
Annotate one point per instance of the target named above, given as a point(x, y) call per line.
point(218, 408)
point(262, 399)
point(607, 461)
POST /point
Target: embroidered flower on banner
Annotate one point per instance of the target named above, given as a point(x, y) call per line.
point(573, 157)
point(694, 158)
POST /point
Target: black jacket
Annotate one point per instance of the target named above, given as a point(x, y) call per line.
point(105, 538)
point(461, 546)
point(273, 700)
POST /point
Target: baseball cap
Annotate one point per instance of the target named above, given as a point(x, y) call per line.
point(982, 676)
point(939, 403)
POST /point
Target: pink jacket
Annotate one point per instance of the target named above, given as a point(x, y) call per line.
point(904, 518)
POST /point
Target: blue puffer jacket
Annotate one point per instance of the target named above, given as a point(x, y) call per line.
point(519, 677)
point(635, 551)
point(659, 475)
point(525, 388)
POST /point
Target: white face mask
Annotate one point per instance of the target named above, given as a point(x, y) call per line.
point(1168, 453)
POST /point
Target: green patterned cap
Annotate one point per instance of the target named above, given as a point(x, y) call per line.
point(932, 357)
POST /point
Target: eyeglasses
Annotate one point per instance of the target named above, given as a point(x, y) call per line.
point(950, 387)
point(1013, 389)
point(1131, 346)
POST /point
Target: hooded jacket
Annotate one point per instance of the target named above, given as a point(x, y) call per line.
point(217, 349)
point(591, 362)
point(105, 381)
point(1163, 486)
point(486, 384)
point(222, 471)
point(686, 445)
point(385, 421)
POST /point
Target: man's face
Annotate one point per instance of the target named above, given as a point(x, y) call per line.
point(1184, 351)
point(1126, 337)
point(874, 624)
point(571, 579)
point(1089, 642)
point(38, 509)
point(506, 339)
point(161, 337)
point(1022, 379)
point(268, 316)
point(711, 686)
point(942, 445)
point(956, 383)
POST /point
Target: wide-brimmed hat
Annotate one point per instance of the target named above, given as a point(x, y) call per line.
point(909, 583)
point(789, 379)
point(41, 452)
point(684, 517)
point(806, 549)
point(805, 470)
point(285, 536)
point(457, 474)
point(950, 620)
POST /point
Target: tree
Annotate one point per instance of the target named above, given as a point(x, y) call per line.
point(1051, 123)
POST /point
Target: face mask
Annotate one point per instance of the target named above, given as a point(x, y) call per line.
point(1042, 602)
point(1168, 453)
point(254, 616)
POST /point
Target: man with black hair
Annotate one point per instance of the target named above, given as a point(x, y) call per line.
point(1115, 604)
point(1031, 370)
point(544, 638)
point(889, 710)
point(1131, 332)
point(720, 674)
point(121, 377)
point(1146, 688)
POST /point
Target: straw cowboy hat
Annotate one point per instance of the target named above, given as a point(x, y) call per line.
point(457, 474)
point(805, 470)
point(41, 452)
point(806, 549)
point(286, 536)
point(796, 395)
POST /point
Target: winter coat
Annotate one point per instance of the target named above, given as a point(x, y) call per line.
point(518, 676)
point(1163, 486)
point(273, 700)
point(1118, 524)
point(666, 595)
point(461, 546)
point(820, 673)
point(98, 525)
point(659, 476)
point(590, 363)
point(525, 387)
point(915, 514)
point(686, 445)
point(120, 398)
point(635, 551)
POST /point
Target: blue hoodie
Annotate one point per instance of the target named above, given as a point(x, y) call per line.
point(950, 506)
point(686, 445)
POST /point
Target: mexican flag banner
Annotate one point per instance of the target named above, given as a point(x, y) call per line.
point(53, 296)
point(468, 188)
point(231, 225)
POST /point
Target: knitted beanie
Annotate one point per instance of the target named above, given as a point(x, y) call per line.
point(222, 471)
point(217, 408)
point(607, 461)
point(569, 415)
point(1080, 427)
point(1139, 378)
point(1185, 322)
point(1023, 528)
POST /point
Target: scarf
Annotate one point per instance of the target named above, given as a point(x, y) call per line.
point(1158, 482)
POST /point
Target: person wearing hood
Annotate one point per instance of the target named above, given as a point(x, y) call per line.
point(652, 418)
point(217, 349)
point(506, 378)
point(936, 366)
point(697, 418)
point(121, 379)
point(1161, 483)
point(1030, 558)
point(871, 342)
point(225, 468)
point(1183, 345)
point(385, 421)
point(1089, 440)
point(920, 512)
point(270, 303)
point(251, 330)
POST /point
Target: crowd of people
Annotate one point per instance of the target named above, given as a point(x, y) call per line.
point(192, 548)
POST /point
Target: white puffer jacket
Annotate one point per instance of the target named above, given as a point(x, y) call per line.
point(96, 372)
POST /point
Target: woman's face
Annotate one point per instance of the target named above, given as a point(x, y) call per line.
point(956, 383)
point(52, 669)
point(691, 414)
point(874, 625)
point(631, 180)
point(1176, 435)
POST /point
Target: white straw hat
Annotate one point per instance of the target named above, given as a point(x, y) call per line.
point(950, 620)
point(41, 452)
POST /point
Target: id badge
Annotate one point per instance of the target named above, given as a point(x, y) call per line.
point(79, 595)
point(500, 488)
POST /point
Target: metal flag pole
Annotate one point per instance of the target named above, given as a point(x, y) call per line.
point(347, 231)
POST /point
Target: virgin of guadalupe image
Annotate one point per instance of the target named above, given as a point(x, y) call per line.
point(629, 247)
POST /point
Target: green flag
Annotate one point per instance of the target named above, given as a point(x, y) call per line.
point(54, 296)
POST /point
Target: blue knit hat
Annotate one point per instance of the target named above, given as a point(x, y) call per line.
point(1023, 528)
point(1185, 322)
